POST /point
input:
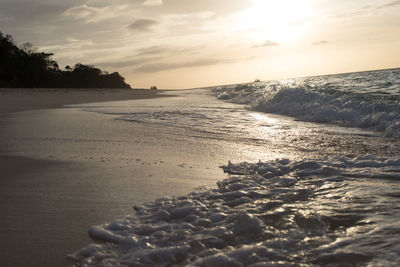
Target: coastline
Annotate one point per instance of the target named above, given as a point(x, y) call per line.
point(92, 162)
point(42, 209)
point(21, 99)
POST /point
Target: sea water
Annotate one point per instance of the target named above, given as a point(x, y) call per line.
point(366, 99)
point(331, 197)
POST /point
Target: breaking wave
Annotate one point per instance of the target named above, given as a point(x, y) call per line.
point(281, 213)
point(340, 102)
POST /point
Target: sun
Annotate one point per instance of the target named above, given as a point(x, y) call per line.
point(275, 20)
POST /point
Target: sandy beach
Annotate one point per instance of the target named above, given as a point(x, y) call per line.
point(20, 99)
point(48, 205)
point(199, 133)
point(66, 169)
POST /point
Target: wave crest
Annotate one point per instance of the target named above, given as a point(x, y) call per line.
point(305, 103)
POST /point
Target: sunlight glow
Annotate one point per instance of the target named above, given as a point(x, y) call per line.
point(278, 21)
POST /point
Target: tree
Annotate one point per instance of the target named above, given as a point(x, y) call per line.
point(25, 67)
point(28, 48)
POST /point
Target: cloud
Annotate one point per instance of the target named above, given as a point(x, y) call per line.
point(33, 11)
point(143, 25)
point(153, 50)
point(373, 8)
point(320, 42)
point(81, 12)
point(92, 14)
point(122, 63)
point(266, 43)
point(195, 6)
point(166, 50)
point(147, 55)
point(391, 4)
point(152, 3)
point(369, 9)
point(156, 67)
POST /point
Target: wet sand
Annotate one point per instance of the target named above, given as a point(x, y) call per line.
point(47, 206)
point(67, 169)
point(20, 99)
point(64, 170)
point(32, 215)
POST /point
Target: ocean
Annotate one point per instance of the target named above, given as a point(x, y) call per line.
point(313, 177)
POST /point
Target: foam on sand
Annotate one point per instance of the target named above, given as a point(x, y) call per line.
point(281, 212)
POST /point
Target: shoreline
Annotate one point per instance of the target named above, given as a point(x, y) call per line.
point(24, 99)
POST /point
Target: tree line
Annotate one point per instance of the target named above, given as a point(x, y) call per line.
point(23, 67)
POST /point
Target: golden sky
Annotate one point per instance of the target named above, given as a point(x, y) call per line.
point(192, 43)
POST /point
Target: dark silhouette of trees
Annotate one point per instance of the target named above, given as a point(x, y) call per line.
point(25, 67)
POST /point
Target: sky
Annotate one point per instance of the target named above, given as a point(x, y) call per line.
point(192, 43)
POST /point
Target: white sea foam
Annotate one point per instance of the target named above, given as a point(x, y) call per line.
point(281, 212)
point(307, 103)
